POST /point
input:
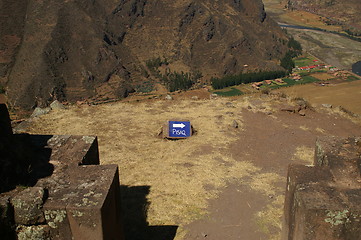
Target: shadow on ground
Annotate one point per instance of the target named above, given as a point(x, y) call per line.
point(134, 208)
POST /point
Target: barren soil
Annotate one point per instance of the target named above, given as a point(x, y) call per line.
point(223, 182)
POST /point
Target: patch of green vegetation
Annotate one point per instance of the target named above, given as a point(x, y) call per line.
point(230, 93)
point(304, 80)
point(308, 79)
point(303, 61)
point(173, 81)
point(180, 81)
point(153, 65)
point(287, 61)
point(294, 50)
point(318, 70)
point(294, 46)
point(2, 89)
point(290, 82)
point(156, 62)
point(145, 87)
point(352, 78)
point(232, 80)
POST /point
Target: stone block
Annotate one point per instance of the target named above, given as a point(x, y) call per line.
point(321, 213)
point(28, 206)
point(331, 151)
point(72, 151)
point(300, 176)
point(87, 208)
point(56, 218)
point(82, 198)
point(323, 202)
point(342, 157)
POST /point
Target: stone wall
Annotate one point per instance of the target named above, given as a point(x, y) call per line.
point(323, 201)
point(64, 192)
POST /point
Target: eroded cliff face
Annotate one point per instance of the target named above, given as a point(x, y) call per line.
point(69, 50)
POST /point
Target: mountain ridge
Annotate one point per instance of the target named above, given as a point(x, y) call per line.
point(79, 49)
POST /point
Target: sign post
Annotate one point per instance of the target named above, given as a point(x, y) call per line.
point(179, 129)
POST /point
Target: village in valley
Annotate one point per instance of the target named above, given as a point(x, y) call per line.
point(308, 69)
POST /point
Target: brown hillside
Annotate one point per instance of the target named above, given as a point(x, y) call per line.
point(344, 12)
point(69, 50)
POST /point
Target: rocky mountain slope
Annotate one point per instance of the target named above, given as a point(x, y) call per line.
point(69, 50)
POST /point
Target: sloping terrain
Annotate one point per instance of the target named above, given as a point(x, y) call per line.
point(341, 12)
point(223, 182)
point(69, 50)
point(335, 49)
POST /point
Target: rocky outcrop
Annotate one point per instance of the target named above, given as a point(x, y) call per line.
point(79, 49)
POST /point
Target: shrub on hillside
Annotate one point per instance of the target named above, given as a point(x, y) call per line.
point(180, 81)
point(287, 62)
point(156, 62)
point(295, 47)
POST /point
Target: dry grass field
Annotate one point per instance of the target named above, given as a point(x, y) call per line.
point(190, 180)
point(307, 19)
point(277, 9)
point(347, 95)
point(177, 171)
point(323, 76)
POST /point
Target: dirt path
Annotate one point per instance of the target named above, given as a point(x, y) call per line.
point(270, 142)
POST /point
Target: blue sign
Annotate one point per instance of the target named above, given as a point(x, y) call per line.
point(179, 129)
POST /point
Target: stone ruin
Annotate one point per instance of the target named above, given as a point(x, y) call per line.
point(323, 201)
point(52, 187)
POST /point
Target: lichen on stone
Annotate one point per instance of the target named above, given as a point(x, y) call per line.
point(88, 139)
point(33, 233)
point(77, 213)
point(337, 217)
point(89, 194)
point(54, 216)
point(86, 202)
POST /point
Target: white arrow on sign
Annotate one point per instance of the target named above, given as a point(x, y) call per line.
point(175, 125)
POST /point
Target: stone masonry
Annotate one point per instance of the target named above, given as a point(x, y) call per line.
point(323, 201)
point(65, 194)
